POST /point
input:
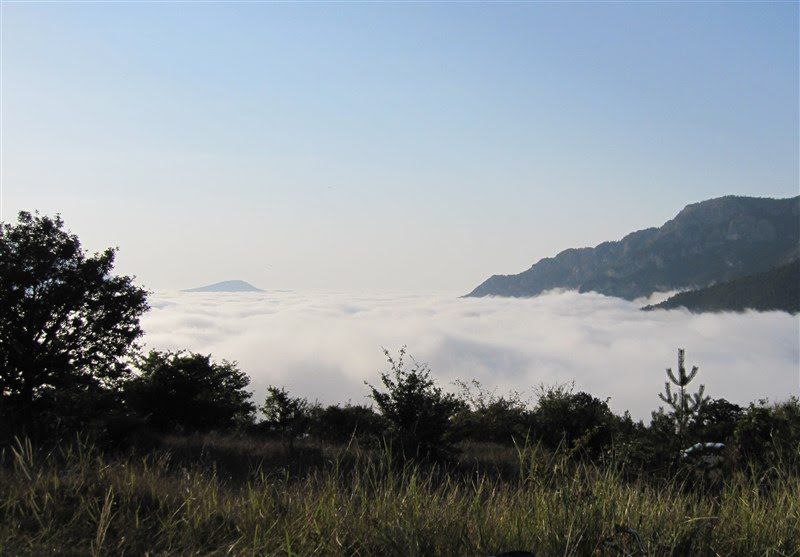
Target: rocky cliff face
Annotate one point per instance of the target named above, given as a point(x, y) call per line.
point(707, 242)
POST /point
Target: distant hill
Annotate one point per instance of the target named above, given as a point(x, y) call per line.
point(227, 286)
point(708, 242)
point(776, 289)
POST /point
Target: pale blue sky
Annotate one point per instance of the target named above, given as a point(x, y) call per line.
point(387, 146)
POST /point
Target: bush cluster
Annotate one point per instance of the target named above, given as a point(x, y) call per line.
point(69, 361)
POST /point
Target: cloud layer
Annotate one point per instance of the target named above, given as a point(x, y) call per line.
point(325, 345)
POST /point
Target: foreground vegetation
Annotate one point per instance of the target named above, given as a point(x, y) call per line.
point(349, 501)
point(107, 450)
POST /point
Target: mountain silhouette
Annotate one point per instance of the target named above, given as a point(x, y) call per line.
point(774, 290)
point(713, 241)
point(227, 286)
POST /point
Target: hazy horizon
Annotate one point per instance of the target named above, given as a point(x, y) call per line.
point(368, 164)
point(414, 147)
point(324, 345)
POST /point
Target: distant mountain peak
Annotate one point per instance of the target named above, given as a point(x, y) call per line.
point(227, 286)
point(712, 241)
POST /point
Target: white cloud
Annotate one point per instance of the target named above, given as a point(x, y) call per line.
point(325, 345)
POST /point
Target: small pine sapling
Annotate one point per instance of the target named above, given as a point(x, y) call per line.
point(683, 404)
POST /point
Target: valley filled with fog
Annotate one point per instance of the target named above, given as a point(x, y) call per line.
point(325, 345)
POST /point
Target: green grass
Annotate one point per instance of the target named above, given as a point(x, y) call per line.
point(74, 500)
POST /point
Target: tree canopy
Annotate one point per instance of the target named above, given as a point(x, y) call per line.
point(188, 391)
point(67, 323)
point(285, 414)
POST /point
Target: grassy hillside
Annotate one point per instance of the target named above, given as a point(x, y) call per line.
point(777, 289)
point(78, 502)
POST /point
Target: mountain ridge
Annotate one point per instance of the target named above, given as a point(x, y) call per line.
point(226, 286)
point(710, 241)
point(775, 290)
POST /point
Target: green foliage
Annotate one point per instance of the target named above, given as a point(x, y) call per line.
point(651, 448)
point(684, 405)
point(67, 323)
point(285, 415)
point(339, 424)
point(68, 328)
point(768, 432)
point(485, 416)
point(189, 392)
point(76, 501)
point(579, 420)
point(715, 421)
point(775, 290)
point(419, 414)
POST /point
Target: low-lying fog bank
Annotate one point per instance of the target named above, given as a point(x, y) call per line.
point(325, 345)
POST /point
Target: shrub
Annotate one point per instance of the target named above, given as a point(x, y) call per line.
point(189, 392)
point(285, 415)
point(338, 424)
point(419, 414)
point(491, 418)
point(577, 419)
point(715, 421)
point(766, 433)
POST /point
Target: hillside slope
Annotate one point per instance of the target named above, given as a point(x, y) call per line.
point(708, 242)
point(776, 289)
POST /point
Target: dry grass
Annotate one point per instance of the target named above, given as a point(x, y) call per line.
point(347, 501)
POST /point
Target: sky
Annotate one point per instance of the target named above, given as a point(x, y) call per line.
point(387, 146)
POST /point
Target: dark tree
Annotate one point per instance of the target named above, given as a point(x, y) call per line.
point(489, 417)
point(285, 415)
point(715, 421)
point(188, 392)
point(66, 323)
point(419, 414)
point(769, 434)
point(577, 419)
point(339, 424)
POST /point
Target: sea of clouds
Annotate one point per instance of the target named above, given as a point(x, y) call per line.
point(325, 345)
